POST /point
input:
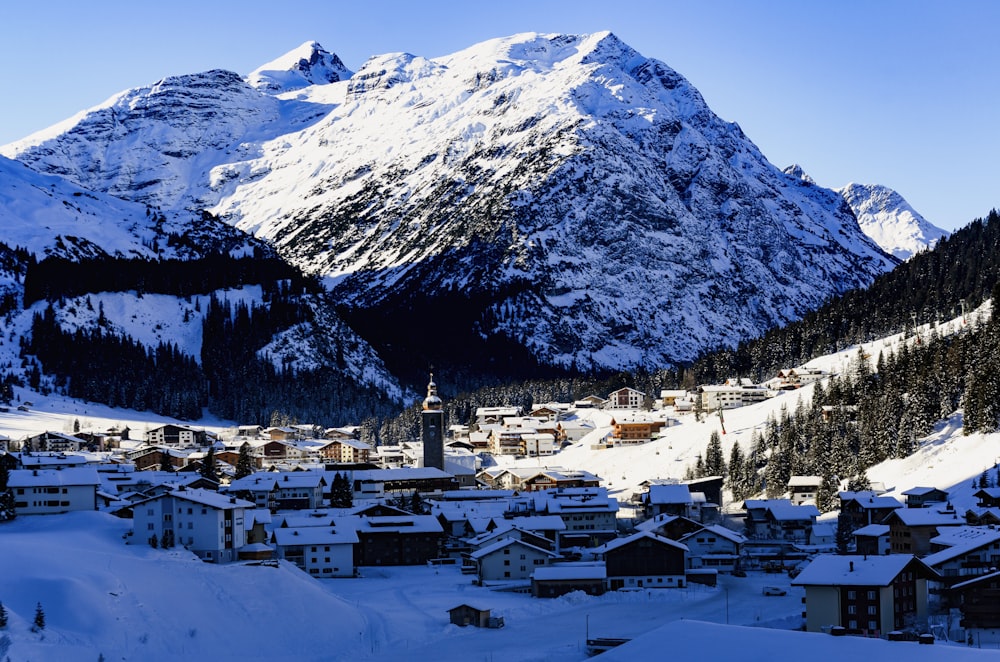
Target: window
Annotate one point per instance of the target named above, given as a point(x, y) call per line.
point(871, 595)
point(852, 609)
point(852, 595)
point(872, 625)
point(872, 610)
point(506, 561)
point(150, 527)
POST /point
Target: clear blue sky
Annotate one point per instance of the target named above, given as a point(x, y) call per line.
point(896, 92)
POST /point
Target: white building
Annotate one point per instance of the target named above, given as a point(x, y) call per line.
point(53, 491)
point(210, 524)
point(322, 551)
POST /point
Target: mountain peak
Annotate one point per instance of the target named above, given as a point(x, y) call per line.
point(886, 217)
point(309, 64)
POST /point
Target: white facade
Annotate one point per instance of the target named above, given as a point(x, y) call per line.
point(53, 491)
point(510, 559)
point(322, 551)
point(211, 525)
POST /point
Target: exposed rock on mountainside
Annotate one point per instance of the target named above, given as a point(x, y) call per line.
point(539, 198)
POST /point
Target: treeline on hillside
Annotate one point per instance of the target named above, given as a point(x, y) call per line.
point(246, 388)
point(863, 417)
point(56, 277)
point(231, 381)
point(104, 367)
point(964, 266)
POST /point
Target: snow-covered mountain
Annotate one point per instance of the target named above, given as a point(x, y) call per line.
point(309, 64)
point(44, 216)
point(890, 221)
point(560, 193)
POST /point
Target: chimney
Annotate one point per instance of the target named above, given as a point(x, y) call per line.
point(852, 566)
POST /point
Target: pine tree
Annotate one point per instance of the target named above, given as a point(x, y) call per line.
point(737, 473)
point(416, 503)
point(208, 468)
point(843, 533)
point(3, 616)
point(715, 462)
point(8, 507)
point(39, 623)
point(244, 463)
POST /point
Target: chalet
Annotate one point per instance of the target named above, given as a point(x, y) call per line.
point(553, 581)
point(293, 490)
point(575, 430)
point(872, 540)
point(644, 560)
point(559, 479)
point(244, 432)
point(711, 487)
point(322, 551)
point(670, 499)
point(53, 491)
point(511, 529)
point(964, 551)
point(55, 442)
point(634, 429)
point(803, 489)
point(979, 603)
point(911, 529)
point(488, 415)
point(51, 460)
point(409, 540)
point(550, 412)
point(345, 450)
point(626, 398)
point(780, 520)
point(509, 558)
point(674, 527)
point(793, 378)
point(982, 517)
point(211, 525)
point(866, 507)
point(921, 497)
point(871, 595)
point(589, 514)
point(989, 497)
point(281, 433)
point(669, 397)
point(175, 435)
point(589, 402)
point(713, 547)
point(349, 432)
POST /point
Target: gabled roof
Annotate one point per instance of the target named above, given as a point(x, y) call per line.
point(315, 535)
point(509, 542)
point(660, 495)
point(621, 542)
point(204, 498)
point(873, 530)
point(720, 531)
point(855, 570)
point(922, 491)
point(925, 517)
point(869, 500)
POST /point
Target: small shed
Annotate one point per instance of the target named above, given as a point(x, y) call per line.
point(468, 615)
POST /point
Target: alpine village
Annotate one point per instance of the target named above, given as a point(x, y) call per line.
point(470, 375)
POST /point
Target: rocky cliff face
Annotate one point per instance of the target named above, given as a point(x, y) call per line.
point(560, 194)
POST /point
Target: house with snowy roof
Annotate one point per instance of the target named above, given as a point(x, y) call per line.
point(779, 520)
point(978, 600)
point(872, 539)
point(911, 529)
point(396, 540)
point(590, 515)
point(211, 525)
point(509, 559)
point(922, 497)
point(558, 579)
point(345, 450)
point(989, 497)
point(669, 499)
point(53, 460)
point(869, 595)
point(803, 489)
point(644, 560)
point(56, 442)
point(866, 507)
point(54, 491)
point(176, 435)
point(713, 547)
point(322, 551)
point(964, 551)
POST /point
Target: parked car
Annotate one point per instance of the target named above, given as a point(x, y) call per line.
point(774, 590)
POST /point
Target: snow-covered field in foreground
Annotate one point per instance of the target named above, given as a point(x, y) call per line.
point(101, 597)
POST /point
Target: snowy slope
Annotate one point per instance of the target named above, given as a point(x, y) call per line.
point(48, 216)
point(550, 185)
point(890, 221)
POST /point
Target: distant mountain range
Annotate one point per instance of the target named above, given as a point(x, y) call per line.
point(531, 203)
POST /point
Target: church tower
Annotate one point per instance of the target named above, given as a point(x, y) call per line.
point(432, 428)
